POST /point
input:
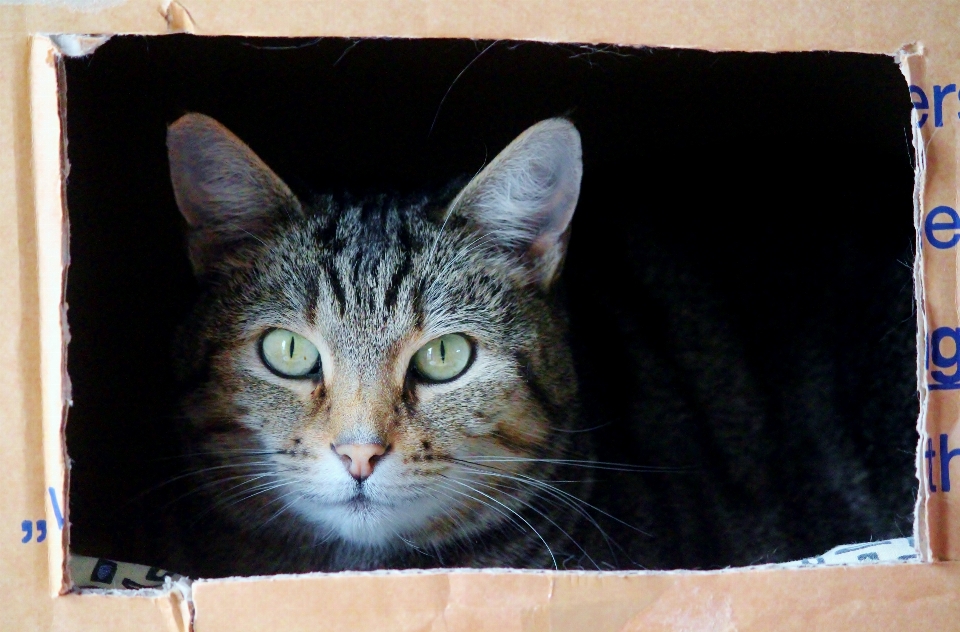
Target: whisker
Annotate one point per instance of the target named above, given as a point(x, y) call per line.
point(237, 499)
point(282, 509)
point(198, 472)
point(510, 518)
point(245, 495)
point(544, 516)
point(533, 481)
point(567, 499)
point(249, 478)
point(586, 464)
point(455, 80)
point(549, 550)
point(220, 452)
point(578, 431)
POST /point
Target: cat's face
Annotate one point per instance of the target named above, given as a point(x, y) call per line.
point(379, 372)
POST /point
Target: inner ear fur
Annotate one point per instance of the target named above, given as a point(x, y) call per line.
point(525, 198)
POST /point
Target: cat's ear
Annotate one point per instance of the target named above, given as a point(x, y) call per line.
point(525, 198)
point(224, 191)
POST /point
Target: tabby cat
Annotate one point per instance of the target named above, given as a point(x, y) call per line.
point(390, 383)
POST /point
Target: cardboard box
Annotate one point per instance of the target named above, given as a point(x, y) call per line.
point(35, 386)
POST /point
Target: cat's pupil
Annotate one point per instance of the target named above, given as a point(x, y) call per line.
point(443, 353)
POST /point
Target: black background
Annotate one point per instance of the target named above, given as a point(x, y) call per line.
point(785, 179)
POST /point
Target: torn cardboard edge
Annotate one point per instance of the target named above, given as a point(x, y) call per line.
point(78, 45)
point(50, 171)
point(124, 580)
point(910, 58)
point(110, 576)
point(178, 18)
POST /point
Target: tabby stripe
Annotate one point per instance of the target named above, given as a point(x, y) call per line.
point(409, 394)
point(393, 290)
point(325, 237)
point(417, 290)
point(403, 270)
point(336, 286)
point(356, 273)
point(313, 295)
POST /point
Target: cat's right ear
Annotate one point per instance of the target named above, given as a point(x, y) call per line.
point(524, 200)
point(224, 191)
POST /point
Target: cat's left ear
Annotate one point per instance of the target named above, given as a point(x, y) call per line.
point(525, 198)
point(224, 191)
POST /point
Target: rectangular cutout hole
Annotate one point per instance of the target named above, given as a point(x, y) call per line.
point(739, 275)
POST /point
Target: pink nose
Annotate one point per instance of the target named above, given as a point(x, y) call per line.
point(359, 458)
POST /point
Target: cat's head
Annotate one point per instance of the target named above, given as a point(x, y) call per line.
point(386, 373)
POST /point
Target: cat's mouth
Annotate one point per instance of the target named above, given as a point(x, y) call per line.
point(365, 506)
point(360, 502)
point(370, 517)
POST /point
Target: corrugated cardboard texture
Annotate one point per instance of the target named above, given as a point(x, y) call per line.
point(889, 597)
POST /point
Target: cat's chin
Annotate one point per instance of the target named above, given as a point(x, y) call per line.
point(371, 523)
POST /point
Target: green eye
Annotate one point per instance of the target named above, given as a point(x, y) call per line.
point(444, 358)
point(289, 354)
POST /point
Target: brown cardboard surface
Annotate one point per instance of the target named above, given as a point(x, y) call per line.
point(880, 597)
point(107, 612)
point(22, 568)
point(896, 597)
point(864, 25)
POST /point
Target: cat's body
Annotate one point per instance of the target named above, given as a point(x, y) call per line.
point(364, 460)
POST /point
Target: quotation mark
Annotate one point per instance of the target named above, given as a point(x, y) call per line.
point(27, 527)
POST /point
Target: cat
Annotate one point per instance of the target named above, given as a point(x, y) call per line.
point(390, 382)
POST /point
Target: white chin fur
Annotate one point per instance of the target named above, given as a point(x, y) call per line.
point(373, 524)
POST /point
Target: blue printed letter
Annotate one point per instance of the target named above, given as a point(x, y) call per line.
point(945, 456)
point(943, 380)
point(920, 104)
point(928, 455)
point(938, 94)
point(931, 226)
